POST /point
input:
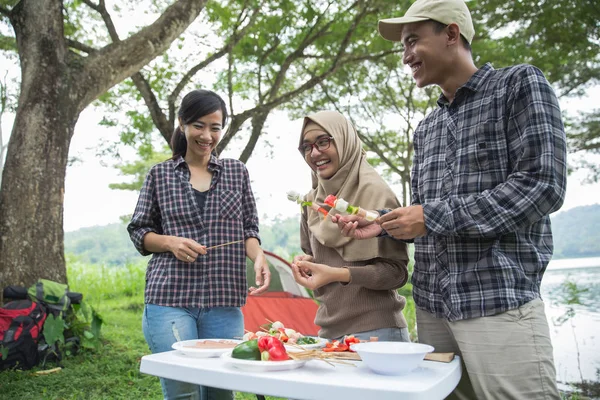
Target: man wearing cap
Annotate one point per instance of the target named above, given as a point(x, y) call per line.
point(489, 167)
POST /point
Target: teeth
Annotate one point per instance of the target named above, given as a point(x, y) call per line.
point(203, 144)
point(319, 163)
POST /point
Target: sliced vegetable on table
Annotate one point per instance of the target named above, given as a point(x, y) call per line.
point(336, 345)
point(272, 349)
point(247, 350)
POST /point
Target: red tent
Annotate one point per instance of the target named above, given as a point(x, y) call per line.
point(292, 305)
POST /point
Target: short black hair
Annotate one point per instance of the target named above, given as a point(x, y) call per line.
point(438, 27)
point(196, 104)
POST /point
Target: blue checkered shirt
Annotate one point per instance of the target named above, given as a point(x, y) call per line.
point(167, 206)
point(488, 170)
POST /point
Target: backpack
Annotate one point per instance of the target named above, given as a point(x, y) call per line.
point(21, 324)
point(56, 300)
point(52, 295)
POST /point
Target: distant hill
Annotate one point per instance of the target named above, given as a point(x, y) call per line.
point(108, 244)
point(576, 234)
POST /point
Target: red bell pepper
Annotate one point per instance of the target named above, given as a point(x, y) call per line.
point(272, 349)
point(349, 340)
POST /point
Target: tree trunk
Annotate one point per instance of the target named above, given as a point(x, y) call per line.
point(31, 200)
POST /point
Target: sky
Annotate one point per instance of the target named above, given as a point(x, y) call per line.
point(274, 170)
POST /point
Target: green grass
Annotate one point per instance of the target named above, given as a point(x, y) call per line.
point(112, 372)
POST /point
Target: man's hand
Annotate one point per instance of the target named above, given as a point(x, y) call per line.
point(356, 227)
point(263, 275)
point(404, 222)
point(313, 276)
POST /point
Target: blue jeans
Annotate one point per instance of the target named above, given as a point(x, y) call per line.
point(164, 326)
point(384, 335)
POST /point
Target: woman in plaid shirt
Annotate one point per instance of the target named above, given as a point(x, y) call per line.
point(187, 205)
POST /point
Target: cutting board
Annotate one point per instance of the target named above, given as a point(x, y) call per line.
point(348, 355)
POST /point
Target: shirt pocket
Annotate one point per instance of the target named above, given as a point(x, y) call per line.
point(230, 206)
point(479, 159)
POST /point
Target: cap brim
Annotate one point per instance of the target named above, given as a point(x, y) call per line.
point(391, 28)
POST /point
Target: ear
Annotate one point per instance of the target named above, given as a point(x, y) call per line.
point(180, 124)
point(453, 34)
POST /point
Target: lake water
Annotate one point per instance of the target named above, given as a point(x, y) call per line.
point(575, 329)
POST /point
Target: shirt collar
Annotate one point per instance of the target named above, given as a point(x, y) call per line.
point(214, 164)
point(474, 83)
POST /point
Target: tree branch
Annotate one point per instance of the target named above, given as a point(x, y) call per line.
point(164, 125)
point(233, 40)
point(5, 11)
point(111, 64)
point(274, 102)
point(80, 46)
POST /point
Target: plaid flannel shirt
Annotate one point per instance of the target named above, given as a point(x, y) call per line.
point(167, 206)
point(488, 170)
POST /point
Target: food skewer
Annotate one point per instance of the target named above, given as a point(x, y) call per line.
point(297, 198)
point(343, 206)
point(224, 244)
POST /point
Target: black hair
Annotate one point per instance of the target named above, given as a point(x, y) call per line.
point(194, 105)
point(438, 27)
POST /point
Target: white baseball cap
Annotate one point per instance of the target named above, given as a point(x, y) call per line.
point(444, 11)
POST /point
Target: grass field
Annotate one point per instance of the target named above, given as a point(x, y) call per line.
point(112, 371)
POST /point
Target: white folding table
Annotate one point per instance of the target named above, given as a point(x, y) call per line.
point(315, 380)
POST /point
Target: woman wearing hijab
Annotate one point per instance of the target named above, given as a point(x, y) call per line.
point(355, 281)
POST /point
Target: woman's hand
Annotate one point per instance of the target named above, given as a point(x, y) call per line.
point(302, 257)
point(356, 227)
point(185, 249)
point(313, 276)
point(262, 273)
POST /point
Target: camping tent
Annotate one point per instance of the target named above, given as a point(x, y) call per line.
point(286, 301)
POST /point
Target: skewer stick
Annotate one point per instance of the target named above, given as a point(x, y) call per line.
point(224, 244)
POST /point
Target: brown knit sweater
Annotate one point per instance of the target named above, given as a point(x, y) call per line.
point(369, 301)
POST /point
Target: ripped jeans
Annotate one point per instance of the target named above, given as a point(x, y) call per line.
point(163, 326)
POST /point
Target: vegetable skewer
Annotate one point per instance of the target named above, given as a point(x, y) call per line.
point(342, 206)
point(295, 197)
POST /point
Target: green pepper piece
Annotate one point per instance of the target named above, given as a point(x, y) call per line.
point(247, 350)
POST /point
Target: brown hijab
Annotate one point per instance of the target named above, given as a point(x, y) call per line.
point(356, 182)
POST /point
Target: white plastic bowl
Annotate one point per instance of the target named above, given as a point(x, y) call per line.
point(392, 358)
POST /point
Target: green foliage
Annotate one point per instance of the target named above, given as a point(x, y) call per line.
point(102, 283)
point(559, 37)
point(282, 237)
point(54, 328)
point(103, 245)
point(139, 168)
point(583, 134)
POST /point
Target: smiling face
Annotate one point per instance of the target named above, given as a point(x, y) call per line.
point(326, 162)
point(203, 135)
point(425, 52)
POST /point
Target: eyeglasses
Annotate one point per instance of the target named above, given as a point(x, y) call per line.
point(321, 145)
